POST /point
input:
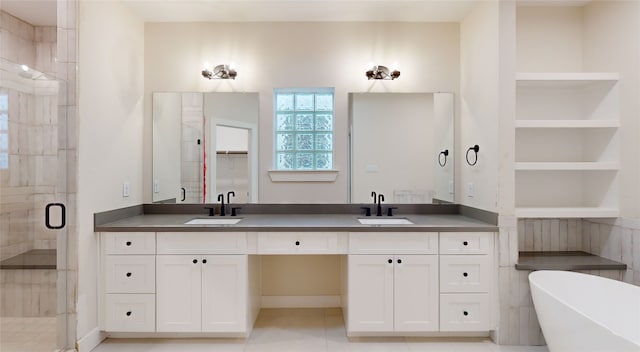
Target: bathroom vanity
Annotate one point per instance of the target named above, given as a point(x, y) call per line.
point(435, 276)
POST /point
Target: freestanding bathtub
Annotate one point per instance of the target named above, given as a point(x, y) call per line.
point(586, 313)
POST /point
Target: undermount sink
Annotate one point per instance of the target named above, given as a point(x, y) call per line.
point(385, 221)
point(213, 221)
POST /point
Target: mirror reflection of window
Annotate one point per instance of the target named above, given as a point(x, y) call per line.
point(232, 162)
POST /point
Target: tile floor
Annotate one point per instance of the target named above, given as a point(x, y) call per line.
point(308, 330)
point(28, 334)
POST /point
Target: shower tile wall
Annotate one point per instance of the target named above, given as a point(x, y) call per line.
point(31, 179)
point(191, 171)
point(613, 239)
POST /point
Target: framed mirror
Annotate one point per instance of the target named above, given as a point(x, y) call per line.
point(402, 145)
point(204, 144)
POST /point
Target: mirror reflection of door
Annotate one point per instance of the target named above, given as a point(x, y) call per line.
point(232, 162)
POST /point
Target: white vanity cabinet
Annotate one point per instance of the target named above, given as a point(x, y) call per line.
point(396, 291)
point(202, 291)
point(466, 280)
point(128, 281)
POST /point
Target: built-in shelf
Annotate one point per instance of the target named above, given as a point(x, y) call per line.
point(567, 123)
point(563, 79)
point(567, 144)
point(568, 166)
point(574, 260)
point(567, 212)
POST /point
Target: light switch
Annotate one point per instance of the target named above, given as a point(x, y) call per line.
point(126, 189)
point(450, 187)
point(471, 190)
point(156, 186)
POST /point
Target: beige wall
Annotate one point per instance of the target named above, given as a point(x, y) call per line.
point(280, 55)
point(110, 91)
point(603, 22)
point(479, 94)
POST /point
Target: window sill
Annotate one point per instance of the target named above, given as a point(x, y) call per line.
point(303, 175)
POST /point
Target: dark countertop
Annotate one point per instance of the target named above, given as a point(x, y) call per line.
point(566, 261)
point(33, 259)
point(295, 222)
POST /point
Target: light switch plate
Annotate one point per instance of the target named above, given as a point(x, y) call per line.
point(471, 190)
point(126, 189)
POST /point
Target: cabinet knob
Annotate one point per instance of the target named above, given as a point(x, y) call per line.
point(204, 261)
point(465, 313)
point(297, 243)
point(399, 261)
point(195, 261)
point(128, 274)
point(128, 243)
point(465, 274)
point(129, 313)
point(465, 243)
point(390, 261)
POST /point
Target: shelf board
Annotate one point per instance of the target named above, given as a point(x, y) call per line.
point(567, 212)
point(564, 79)
point(568, 166)
point(567, 123)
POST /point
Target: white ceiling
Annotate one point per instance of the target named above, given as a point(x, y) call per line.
point(299, 10)
point(43, 12)
point(36, 12)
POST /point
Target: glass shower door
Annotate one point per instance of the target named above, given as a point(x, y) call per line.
point(33, 197)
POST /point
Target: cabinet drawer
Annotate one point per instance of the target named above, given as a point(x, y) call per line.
point(130, 274)
point(465, 312)
point(202, 242)
point(465, 273)
point(129, 242)
point(130, 313)
point(393, 242)
point(466, 242)
point(298, 243)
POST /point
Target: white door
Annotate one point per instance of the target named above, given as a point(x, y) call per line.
point(178, 293)
point(370, 293)
point(416, 293)
point(224, 293)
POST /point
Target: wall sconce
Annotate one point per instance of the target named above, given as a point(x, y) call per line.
point(220, 72)
point(382, 72)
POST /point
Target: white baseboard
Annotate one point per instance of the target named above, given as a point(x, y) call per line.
point(301, 301)
point(91, 340)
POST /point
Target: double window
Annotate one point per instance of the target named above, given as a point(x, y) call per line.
point(303, 129)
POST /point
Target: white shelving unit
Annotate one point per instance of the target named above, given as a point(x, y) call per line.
point(567, 145)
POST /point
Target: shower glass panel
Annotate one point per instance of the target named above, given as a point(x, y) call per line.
point(33, 198)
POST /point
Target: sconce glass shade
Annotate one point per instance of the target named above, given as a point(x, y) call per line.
point(382, 72)
point(220, 72)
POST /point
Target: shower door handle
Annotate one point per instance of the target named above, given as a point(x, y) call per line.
point(63, 216)
point(184, 193)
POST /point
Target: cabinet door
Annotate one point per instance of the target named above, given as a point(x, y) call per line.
point(416, 293)
point(178, 293)
point(370, 293)
point(224, 293)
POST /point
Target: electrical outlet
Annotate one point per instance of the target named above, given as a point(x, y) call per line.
point(126, 189)
point(471, 190)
